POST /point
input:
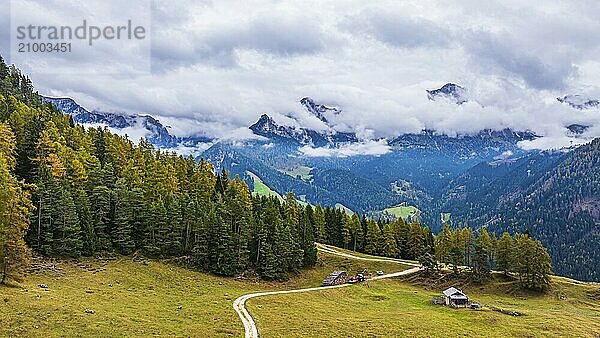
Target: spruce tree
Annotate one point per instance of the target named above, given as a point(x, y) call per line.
point(202, 237)
point(287, 250)
point(171, 232)
point(401, 230)
point(483, 249)
point(221, 247)
point(47, 195)
point(358, 235)
point(390, 247)
point(319, 216)
point(307, 242)
point(123, 219)
point(139, 218)
point(505, 253)
point(238, 215)
point(416, 241)
point(67, 233)
point(155, 227)
point(267, 264)
point(429, 240)
point(100, 213)
point(372, 238)
point(346, 231)
point(88, 235)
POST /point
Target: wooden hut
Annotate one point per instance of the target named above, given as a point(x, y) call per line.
point(335, 278)
point(456, 298)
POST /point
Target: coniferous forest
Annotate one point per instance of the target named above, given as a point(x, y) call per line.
point(70, 192)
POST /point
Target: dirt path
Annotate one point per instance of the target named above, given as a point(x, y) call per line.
point(239, 305)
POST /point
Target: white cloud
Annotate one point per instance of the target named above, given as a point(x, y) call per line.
point(219, 65)
point(559, 142)
point(504, 155)
point(134, 133)
point(372, 148)
point(194, 151)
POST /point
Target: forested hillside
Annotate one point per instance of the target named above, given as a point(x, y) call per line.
point(553, 195)
point(563, 211)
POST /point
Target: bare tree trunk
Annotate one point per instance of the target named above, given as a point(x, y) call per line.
point(4, 270)
point(257, 252)
point(39, 229)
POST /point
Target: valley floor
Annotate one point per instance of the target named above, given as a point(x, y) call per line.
point(150, 298)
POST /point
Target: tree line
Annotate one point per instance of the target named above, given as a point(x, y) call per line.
point(482, 252)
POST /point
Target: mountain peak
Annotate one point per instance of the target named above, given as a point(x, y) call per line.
point(264, 124)
point(318, 110)
point(65, 104)
point(267, 127)
point(450, 91)
point(577, 129)
point(157, 134)
point(579, 101)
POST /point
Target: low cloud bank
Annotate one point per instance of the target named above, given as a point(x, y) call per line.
point(371, 148)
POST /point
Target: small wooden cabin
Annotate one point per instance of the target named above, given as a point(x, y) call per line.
point(456, 298)
point(335, 278)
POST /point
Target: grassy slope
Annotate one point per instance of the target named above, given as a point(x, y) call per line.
point(393, 308)
point(302, 171)
point(143, 300)
point(402, 211)
point(261, 189)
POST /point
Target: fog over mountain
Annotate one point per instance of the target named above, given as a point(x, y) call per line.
point(218, 66)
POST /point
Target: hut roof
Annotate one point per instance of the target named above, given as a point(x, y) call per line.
point(454, 293)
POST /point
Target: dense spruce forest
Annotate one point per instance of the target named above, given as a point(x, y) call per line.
point(551, 194)
point(566, 202)
point(69, 191)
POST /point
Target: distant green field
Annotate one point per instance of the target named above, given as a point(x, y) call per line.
point(302, 171)
point(401, 211)
point(261, 189)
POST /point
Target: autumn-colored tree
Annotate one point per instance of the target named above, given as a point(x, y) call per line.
point(15, 208)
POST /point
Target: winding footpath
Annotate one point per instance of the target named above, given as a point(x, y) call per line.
point(239, 305)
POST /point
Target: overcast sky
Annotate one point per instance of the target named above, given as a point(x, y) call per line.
point(220, 64)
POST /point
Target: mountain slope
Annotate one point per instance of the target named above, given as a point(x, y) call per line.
point(230, 157)
point(555, 197)
point(267, 127)
point(479, 191)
